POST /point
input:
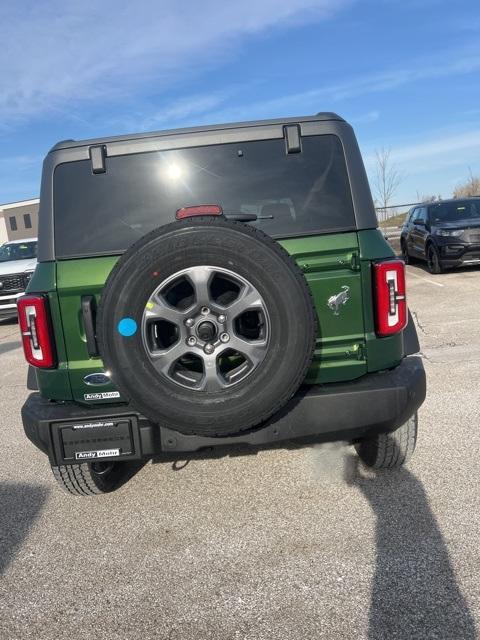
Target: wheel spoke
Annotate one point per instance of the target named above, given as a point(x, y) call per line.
point(159, 309)
point(249, 298)
point(163, 360)
point(254, 350)
point(211, 380)
point(200, 278)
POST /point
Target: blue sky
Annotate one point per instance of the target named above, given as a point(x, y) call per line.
point(405, 73)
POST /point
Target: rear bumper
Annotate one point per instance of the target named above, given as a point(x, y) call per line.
point(375, 403)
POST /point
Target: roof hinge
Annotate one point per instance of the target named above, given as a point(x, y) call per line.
point(292, 136)
point(98, 154)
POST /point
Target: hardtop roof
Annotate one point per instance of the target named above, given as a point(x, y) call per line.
point(68, 144)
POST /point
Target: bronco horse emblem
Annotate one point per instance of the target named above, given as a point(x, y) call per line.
point(336, 301)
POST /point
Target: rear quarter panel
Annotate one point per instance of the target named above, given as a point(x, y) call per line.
point(331, 266)
point(381, 353)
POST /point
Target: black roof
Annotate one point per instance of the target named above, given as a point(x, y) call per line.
point(68, 144)
point(444, 201)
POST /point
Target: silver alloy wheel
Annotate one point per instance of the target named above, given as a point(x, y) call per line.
point(206, 328)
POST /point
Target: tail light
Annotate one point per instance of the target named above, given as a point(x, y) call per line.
point(199, 210)
point(390, 297)
point(36, 331)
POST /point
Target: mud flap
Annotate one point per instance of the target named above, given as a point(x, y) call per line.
point(411, 344)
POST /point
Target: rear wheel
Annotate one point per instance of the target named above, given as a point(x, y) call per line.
point(89, 478)
point(405, 255)
point(389, 450)
point(433, 260)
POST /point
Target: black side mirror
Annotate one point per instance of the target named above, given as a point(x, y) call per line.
point(419, 222)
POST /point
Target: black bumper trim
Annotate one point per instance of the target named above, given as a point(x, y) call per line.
point(375, 403)
point(467, 254)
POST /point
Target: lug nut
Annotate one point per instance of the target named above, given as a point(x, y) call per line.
point(205, 311)
point(222, 319)
point(189, 322)
point(224, 337)
point(191, 341)
point(209, 348)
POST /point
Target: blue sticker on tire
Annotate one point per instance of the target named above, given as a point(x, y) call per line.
point(127, 327)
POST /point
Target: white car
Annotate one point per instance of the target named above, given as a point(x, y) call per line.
point(18, 259)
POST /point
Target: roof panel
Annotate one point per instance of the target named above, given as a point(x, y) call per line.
point(68, 144)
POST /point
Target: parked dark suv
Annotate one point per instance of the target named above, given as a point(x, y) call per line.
point(212, 289)
point(446, 234)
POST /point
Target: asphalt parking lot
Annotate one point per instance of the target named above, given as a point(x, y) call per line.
point(285, 544)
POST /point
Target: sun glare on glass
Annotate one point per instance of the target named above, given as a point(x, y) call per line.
point(173, 171)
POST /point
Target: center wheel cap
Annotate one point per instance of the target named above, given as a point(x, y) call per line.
point(206, 331)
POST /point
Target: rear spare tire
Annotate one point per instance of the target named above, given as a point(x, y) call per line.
point(207, 326)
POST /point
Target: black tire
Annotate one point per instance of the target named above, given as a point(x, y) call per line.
point(389, 450)
point(433, 260)
point(88, 478)
point(252, 255)
point(405, 255)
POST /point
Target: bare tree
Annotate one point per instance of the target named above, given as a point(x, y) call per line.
point(423, 198)
point(387, 178)
point(471, 186)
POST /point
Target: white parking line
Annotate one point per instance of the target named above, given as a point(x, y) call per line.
point(437, 284)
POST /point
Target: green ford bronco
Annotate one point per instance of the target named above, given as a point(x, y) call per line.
point(214, 289)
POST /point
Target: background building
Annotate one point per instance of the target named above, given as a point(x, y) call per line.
point(19, 220)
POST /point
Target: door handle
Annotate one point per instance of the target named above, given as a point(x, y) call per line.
point(89, 313)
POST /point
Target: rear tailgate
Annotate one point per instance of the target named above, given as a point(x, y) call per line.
point(331, 266)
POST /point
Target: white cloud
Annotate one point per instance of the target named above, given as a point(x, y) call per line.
point(21, 162)
point(386, 80)
point(187, 107)
point(365, 118)
point(448, 63)
point(441, 147)
point(437, 151)
point(428, 164)
point(64, 52)
point(193, 106)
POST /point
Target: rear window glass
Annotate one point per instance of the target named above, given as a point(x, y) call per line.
point(293, 194)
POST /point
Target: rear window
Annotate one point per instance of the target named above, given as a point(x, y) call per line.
point(293, 194)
